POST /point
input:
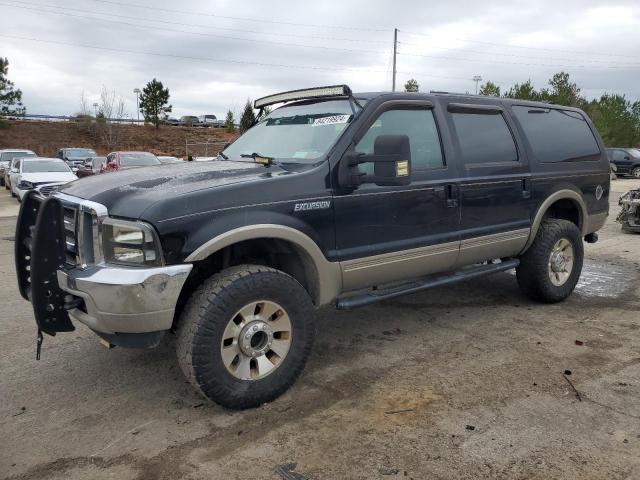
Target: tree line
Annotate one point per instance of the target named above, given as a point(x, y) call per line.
point(616, 118)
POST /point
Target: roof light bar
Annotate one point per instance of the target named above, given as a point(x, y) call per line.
point(318, 92)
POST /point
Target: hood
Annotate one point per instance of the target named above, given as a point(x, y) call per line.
point(129, 193)
point(48, 177)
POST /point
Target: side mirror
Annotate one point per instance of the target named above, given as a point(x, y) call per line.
point(627, 157)
point(391, 163)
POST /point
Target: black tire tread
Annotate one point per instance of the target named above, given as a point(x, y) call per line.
point(532, 273)
point(211, 297)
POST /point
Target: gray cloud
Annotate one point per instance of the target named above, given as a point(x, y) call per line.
point(595, 41)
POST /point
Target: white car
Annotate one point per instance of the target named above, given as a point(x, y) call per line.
point(42, 174)
point(6, 156)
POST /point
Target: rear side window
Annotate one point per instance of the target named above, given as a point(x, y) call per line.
point(557, 135)
point(484, 138)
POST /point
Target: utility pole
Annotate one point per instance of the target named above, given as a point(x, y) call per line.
point(477, 78)
point(395, 53)
point(137, 92)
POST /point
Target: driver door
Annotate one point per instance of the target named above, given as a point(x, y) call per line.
point(389, 233)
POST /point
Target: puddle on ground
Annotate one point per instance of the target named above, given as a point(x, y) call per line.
point(605, 279)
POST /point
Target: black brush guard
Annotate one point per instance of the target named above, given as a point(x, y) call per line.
point(39, 253)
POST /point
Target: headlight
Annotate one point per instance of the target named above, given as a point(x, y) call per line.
point(24, 185)
point(130, 243)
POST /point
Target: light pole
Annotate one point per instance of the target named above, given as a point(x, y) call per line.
point(137, 92)
point(477, 78)
point(95, 109)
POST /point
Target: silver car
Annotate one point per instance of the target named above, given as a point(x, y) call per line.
point(6, 156)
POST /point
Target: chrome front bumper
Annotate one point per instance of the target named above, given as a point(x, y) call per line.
point(125, 300)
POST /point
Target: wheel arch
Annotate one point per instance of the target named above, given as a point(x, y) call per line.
point(567, 204)
point(321, 278)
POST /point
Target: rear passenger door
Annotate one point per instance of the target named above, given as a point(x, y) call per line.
point(495, 184)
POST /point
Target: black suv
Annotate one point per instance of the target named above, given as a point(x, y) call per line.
point(626, 160)
point(332, 198)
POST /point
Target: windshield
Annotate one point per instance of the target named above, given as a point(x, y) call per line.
point(80, 152)
point(6, 156)
point(36, 166)
point(138, 159)
point(634, 152)
point(296, 133)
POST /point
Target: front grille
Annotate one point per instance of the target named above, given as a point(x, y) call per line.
point(48, 189)
point(70, 218)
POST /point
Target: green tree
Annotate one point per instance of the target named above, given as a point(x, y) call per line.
point(490, 89)
point(10, 97)
point(229, 122)
point(411, 85)
point(617, 120)
point(563, 91)
point(523, 91)
point(248, 117)
point(154, 102)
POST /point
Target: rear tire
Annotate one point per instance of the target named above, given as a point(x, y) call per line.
point(245, 335)
point(550, 269)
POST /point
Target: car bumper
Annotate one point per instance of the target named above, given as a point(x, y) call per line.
point(125, 300)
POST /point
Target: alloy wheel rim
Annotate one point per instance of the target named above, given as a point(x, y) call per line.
point(636, 173)
point(561, 262)
point(256, 340)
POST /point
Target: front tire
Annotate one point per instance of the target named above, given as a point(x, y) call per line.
point(550, 269)
point(245, 335)
point(635, 173)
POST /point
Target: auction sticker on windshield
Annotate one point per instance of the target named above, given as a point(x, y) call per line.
point(332, 120)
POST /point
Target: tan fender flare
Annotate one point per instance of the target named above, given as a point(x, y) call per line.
point(328, 281)
point(565, 194)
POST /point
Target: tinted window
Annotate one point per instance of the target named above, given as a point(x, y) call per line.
point(484, 138)
point(419, 125)
point(557, 135)
point(138, 159)
point(617, 154)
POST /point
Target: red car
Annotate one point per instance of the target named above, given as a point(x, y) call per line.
point(123, 160)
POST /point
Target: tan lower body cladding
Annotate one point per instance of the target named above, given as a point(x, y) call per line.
point(407, 264)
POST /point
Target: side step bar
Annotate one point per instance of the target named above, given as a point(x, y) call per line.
point(371, 296)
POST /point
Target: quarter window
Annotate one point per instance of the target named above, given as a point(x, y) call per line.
point(557, 135)
point(418, 125)
point(484, 138)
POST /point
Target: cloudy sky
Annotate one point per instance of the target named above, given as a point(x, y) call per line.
point(215, 54)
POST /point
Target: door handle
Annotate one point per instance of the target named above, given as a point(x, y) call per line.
point(452, 195)
point(526, 188)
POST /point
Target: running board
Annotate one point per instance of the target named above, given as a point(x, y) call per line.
point(377, 295)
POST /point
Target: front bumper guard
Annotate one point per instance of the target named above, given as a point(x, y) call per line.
point(125, 300)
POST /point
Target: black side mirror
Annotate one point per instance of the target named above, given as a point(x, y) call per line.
point(391, 163)
point(627, 157)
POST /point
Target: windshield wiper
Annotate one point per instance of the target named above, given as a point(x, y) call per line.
point(223, 155)
point(261, 159)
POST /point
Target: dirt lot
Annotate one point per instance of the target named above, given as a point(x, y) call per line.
point(458, 382)
point(45, 138)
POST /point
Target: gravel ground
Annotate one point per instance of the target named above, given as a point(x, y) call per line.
point(457, 382)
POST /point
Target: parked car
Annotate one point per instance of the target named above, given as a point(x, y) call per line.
point(189, 121)
point(172, 121)
point(91, 166)
point(626, 160)
point(75, 157)
point(125, 160)
point(167, 159)
point(38, 173)
point(6, 155)
point(210, 121)
point(333, 198)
